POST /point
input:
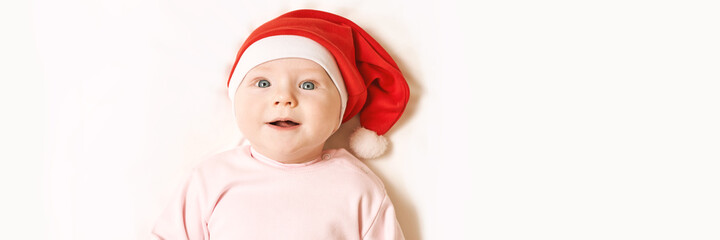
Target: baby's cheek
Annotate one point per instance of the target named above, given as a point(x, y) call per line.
point(331, 122)
point(331, 103)
point(246, 113)
point(329, 112)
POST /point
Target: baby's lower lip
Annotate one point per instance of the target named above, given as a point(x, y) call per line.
point(283, 125)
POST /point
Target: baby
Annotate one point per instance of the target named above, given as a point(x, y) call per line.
point(296, 79)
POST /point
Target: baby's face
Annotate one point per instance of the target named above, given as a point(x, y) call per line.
point(287, 108)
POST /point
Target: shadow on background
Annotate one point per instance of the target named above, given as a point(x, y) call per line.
point(404, 208)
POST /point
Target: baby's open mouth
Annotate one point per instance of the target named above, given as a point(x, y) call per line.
point(284, 123)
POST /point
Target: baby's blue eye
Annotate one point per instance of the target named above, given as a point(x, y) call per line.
point(307, 85)
point(263, 83)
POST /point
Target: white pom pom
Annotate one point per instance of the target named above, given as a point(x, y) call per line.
point(367, 144)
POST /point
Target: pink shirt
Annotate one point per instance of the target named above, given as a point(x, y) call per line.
point(240, 194)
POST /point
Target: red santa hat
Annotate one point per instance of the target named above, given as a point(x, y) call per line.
point(368, 80)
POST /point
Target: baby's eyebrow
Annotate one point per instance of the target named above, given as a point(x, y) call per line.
point(317, 75)
point(260, 68)
point(249, 80)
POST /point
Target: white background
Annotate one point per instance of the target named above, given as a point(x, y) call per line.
point(528, 119)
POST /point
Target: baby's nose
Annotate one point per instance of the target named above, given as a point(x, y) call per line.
point(285, 101)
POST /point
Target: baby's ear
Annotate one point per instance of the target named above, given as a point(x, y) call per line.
point(367, 144)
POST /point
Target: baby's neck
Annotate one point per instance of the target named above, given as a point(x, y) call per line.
point(290, 158)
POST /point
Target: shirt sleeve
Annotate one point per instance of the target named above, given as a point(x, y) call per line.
point(183, 217)
point(385, 225)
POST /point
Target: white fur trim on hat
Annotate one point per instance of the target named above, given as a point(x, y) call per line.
point(367, 144)
point(287, 46)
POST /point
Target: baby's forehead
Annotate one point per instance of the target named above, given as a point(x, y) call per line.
point(293, 64)
point(290, 65)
